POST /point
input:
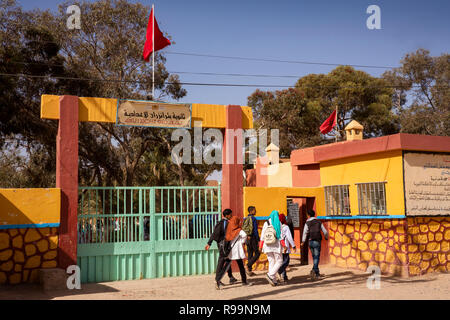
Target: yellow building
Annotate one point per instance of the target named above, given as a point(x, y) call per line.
point(385, 201)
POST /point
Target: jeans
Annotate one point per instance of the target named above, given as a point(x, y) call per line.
point(252, 251)
point(283, 267)
point(314, 246)
point(240, 264)
point(222, 267)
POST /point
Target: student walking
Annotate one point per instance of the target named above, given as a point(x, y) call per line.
point(252, 240)
point(270, 244)
point(289, 243)
point(312, 233)
point(218, 235)
point(236, 237)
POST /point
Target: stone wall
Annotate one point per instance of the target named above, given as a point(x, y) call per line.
point(24, 251)
point(428, 245)
point(404, 247)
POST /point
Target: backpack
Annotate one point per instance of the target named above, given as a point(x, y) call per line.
point(247, 226)
point(225, 247)
point(270, 236)
point(314, 227)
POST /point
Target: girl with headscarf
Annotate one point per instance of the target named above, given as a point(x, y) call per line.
point(289, 243)
point(273, 251)
point(237, 238)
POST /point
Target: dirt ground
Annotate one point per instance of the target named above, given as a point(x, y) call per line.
point(341, 284)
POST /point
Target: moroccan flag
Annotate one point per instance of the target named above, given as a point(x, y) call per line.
point(328, 124)
point(160, 41)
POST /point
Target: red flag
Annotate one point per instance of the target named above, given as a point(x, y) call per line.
point(328, 124)
point(160, 41)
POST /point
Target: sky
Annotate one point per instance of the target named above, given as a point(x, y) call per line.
point(325, 31)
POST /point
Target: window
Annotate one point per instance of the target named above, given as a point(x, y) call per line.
point(372, 198)
point(337, 201)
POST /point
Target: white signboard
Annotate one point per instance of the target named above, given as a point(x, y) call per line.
point(427, 184)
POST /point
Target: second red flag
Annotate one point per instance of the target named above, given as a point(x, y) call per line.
point(328, 124)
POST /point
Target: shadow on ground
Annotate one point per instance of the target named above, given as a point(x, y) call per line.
point(35, 292)
point(336, 280)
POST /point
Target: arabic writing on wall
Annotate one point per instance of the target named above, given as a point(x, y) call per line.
point(427, 184)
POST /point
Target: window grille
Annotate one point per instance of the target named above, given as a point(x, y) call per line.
point(372, 198)
point(337, 201)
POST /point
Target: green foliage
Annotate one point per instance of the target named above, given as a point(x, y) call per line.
point(108, 46)
point(298, 112)
point(426, 80)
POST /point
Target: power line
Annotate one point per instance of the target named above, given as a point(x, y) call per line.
point(257, 59)
point(237, 74)
point(180, 72)
point(196, 83)
point(276, 60)
point(138, 81)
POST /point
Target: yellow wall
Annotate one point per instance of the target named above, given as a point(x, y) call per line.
point(281, 177)
point(29, 206)
point(104, 110)
point(267, 199)
point(379, 167)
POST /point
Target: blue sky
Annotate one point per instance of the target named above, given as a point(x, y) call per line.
point(318, 31)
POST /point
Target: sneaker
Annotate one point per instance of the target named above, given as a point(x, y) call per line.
point(218, 283)
point(249, 272)
point(233, 280)
point(272, 283)
point(313, 275)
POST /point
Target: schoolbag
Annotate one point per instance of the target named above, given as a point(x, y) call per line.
point(225, 247)
point(270, 236)
point(314, 227)
point(247, 226)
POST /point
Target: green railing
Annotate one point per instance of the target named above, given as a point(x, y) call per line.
point(149, 224)
point(124, 214)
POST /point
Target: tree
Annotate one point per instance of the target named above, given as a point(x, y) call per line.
point(425, 82)
point(107, 51)
point(298, 112)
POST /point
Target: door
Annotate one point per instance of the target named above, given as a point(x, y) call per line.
point(300, 204)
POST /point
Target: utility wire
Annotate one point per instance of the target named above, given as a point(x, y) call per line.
point(195, 83)
point(256, 59)
point(181, 72)
point(276, 60)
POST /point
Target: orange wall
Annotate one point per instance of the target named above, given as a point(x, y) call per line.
point(306, 175)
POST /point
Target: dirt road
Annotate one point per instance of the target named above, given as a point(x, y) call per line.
point(338, 284)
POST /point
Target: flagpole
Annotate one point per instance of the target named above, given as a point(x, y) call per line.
point(153, 48)
point(336, 123)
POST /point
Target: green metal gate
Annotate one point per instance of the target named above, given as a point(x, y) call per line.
point(129, 233)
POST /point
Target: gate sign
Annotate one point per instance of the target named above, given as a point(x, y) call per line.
point(153, 114)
